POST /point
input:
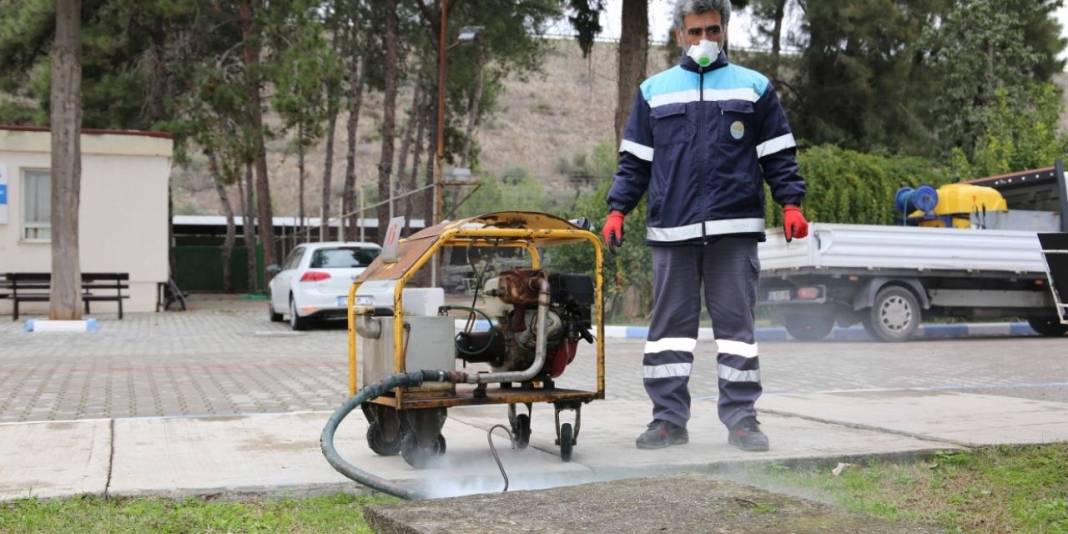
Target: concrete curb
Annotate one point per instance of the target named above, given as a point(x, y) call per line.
point(852, 333)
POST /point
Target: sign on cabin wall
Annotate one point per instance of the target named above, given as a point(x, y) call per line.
point(3, 193)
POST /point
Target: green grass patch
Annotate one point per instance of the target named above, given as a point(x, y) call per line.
point(995, 489)
point(330, 513)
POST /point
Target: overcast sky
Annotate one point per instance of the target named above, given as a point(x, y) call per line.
point(740, 29)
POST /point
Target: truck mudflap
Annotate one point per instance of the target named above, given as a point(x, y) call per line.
point(1055, 252)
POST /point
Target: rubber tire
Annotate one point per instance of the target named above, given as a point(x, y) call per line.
point(812, 326)
point(275, 317)
point(1048, 327)
point(296, 322)
point(885, 327)
point(521, 431)
point(420, 457)
point(378, 443)
point(567, 441)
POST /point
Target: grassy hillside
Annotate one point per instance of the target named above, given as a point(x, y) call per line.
point(564, 111)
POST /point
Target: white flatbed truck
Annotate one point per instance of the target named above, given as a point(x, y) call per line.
point(891, 278)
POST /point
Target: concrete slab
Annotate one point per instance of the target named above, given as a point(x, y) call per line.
point(52, 459)
point(606, 438)
point(691, 503)
point(962, 418)
point(173, 456)
point(238, 454)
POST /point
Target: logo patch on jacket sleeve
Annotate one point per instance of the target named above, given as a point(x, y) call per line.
point(737, 130)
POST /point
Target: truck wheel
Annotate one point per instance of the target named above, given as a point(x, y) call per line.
point(1047, 326)
point(895, 316)
point(810, 326)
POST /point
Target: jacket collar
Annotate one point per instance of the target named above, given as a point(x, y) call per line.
point(686, 62)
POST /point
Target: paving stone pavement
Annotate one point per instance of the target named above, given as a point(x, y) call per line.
point(219, 361)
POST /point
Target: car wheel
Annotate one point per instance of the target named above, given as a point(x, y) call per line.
point(296, 322)
point(895, 316)
point(271, 314)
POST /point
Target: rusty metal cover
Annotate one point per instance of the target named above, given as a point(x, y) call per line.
point(412, 248)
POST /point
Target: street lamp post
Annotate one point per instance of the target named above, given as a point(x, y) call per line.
point(439, 154)
point(468, 34)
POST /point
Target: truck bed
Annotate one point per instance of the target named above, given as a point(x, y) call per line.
point(876, 247)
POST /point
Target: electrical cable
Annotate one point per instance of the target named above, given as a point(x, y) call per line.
point(493, 450)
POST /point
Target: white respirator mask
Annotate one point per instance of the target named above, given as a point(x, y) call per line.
point(704, 53)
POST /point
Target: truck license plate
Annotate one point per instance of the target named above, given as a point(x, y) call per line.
point(779, 295)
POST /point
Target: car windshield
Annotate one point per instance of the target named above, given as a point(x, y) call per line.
point(343, 257)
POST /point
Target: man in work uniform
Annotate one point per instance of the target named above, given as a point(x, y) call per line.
point(702, 138)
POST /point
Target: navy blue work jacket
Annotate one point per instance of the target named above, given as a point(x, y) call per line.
point(702, 142)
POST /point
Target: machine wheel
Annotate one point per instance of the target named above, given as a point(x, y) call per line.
point(296, 322)
point(521, 431)
point(1047, 326)
point(275, 317)
point(383, 446)
point(567, 441)
point(811, 326)
point(420, 456)
point(895, 316)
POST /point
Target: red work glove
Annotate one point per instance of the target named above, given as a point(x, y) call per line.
point(613, 229)
point(794, 222)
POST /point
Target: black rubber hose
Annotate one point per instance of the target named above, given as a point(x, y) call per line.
point(326, 441)
point(493, 331)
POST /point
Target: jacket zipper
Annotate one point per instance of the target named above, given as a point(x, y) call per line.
point(701, 98)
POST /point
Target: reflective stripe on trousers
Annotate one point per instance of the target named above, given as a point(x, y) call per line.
point(724, 272)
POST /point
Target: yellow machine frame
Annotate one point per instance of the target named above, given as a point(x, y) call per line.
point(479, 232)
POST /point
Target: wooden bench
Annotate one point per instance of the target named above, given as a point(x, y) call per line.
point(98, 287)
point(36, 287)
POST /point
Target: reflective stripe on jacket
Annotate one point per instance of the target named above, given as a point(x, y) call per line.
point(702, 141)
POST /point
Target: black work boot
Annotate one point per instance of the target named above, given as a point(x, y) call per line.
point(662, 434)
point(746, 435)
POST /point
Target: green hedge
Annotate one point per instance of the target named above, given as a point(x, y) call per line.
point(845, 186)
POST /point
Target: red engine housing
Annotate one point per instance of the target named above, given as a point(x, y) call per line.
point(561, 357)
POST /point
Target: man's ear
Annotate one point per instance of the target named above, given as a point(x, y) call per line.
point(680, 40)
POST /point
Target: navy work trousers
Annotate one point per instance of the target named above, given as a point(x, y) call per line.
point(724, 271)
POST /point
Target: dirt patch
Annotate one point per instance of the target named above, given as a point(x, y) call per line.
point(684, 503)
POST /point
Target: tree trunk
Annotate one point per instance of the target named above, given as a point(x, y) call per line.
point(251, 39)
point(428, 194)
point(159, 92)
point(389, 118)
point(66, 120)
point(407, 136)
point(228, 211)
point(348, 201)
point(248, 230)
point(328, 164)
point(633, 49)
point(473, 109)
point(300, 172)
point(412, 133)
point(776, 38)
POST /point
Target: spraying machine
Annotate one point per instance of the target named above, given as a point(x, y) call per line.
point(412, 360)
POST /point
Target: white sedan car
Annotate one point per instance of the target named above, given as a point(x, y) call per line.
point(313, 282)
